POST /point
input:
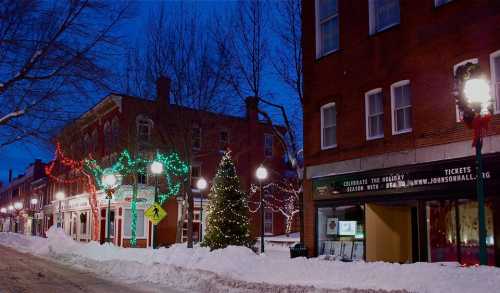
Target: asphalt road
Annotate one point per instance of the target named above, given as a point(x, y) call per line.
point(20, 272)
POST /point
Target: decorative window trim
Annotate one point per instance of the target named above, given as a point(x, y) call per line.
point(393, 86)
point(496, 103)
point(367, 114)
point(197, 148)
point(458, 115)
point(371, 19)
point(269, 211)
point(318, 22)
point(142, 118)
point(436, 4)
point(266, 136)
point(323, 147)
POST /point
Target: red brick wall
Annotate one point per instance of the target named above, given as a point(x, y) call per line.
point(422, 49)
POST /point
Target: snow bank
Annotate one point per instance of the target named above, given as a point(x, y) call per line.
point(237, 268)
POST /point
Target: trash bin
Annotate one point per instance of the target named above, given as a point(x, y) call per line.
point(298, 250)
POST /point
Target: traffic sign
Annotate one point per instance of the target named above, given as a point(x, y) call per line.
point(155, 213)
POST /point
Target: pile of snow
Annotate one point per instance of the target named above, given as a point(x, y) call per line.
point(237, 268)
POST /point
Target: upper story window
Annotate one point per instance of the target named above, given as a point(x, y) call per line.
point(327, 27)
point(374, 106)
point(223, 139)
point(401, 107)
point(438, 3)
point(383, 14)
point(94, 141)
point(328, 126)
point(144, 129)
point(459, 114)
point(495, 78)
point(107, 137)
point(86, 144)
point(268, 145)
point(196, 137)
point(115, 131)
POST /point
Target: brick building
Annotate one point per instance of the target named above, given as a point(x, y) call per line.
point(143, 126)
point(389, 165)
point(21, 201)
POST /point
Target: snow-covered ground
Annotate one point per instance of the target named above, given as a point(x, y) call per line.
point(239, 269)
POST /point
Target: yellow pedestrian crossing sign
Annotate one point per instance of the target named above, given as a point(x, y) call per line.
point(155, 213)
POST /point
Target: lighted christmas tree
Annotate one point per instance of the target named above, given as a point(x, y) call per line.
point(227, 218)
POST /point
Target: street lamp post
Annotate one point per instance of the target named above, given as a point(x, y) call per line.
point(60, 197)
point(156, 169)
point(33, 202)
point(110, 182)
point(261, 175)
point(18, 206)
point(201, 184)
point(477, 114)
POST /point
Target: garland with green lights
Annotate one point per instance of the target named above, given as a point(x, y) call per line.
point(174, 169)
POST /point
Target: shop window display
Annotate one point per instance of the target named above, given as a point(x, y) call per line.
point(341, 232)
point(453, 231)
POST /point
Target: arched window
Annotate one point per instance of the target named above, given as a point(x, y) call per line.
point(115, 131)
point(93, 147)
point(144, 126)
point(86, 145)
point(108, 139)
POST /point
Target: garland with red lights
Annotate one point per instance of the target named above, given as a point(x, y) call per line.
point(76, 168)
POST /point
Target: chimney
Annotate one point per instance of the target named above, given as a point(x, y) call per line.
point(163, 90)
point(10, 175)
point(252, 104)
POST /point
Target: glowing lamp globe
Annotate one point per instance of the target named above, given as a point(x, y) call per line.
point(201, 184)
point(109, 180)
point(60, 195)
point(11, 208)
point(477, 91)
point(18, 205)
point(261, 173)
point(34, 201)
point(3, 210)
point(156, 167)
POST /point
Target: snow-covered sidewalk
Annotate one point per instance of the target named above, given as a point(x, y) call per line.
point(239, 269)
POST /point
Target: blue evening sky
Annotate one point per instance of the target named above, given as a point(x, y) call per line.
point(19, 155)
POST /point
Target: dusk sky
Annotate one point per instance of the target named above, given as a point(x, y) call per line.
point(18, 156)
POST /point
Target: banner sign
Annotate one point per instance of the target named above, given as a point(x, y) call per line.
point(453, 174)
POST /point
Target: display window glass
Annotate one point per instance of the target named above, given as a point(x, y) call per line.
point(452, 227)
point(341, 232)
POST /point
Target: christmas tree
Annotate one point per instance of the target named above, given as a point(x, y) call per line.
point(227, 216)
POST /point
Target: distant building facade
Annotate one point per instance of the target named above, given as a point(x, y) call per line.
point(22, 199)
point(389, 165)
point(143, 127)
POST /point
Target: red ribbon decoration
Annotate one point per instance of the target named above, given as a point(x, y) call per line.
point(480, 125)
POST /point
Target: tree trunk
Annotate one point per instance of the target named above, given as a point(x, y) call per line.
point(180, 222)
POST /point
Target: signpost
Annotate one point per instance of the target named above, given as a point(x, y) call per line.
point(155, 213)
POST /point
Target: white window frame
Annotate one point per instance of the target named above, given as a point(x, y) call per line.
point(496, 104)
point(200, 138)
point(146, 226)
point(371, 20)
point(367, 114)
point(393, 86)
point(458, 115)
point(323, 147)
point(319, 37)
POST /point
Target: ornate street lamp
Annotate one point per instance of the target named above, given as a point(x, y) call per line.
point(110, 181)
point(261, 174)
point(201, 184)
point(34, 201)
point(59, 197)
point(156, 168)
point(474, 100)
point(3, 210)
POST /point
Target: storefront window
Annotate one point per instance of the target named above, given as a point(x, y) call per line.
point(127, 220)
point(341, 232)
point(443, 218)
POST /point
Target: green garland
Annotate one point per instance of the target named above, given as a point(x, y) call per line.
point(174, 169)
